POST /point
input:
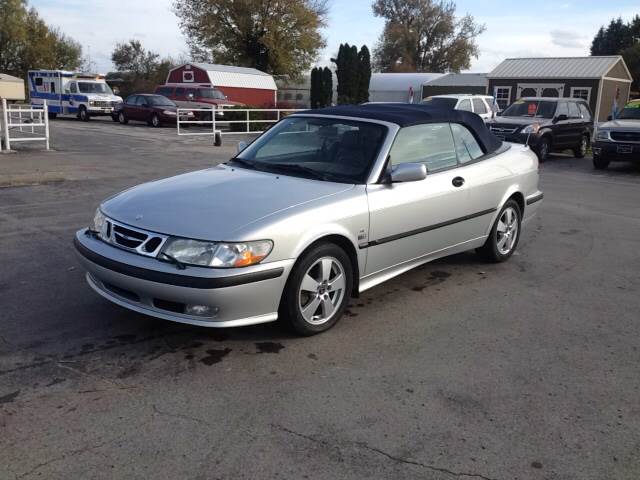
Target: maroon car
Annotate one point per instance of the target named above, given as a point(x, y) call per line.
point(153, 109)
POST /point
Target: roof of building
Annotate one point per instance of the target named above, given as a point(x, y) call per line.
point(4, 77)
point(400, 81)
point(240, 77)
point(460, 80)
point(558, 67)
point(405, 115)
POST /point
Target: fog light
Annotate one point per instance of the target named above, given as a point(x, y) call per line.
point(201, 310)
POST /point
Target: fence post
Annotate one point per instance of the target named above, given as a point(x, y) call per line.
point(45, 116)
point(248, 128)
point(5, 118)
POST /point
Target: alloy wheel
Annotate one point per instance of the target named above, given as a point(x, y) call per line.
point(583, 146)
point(507, 231)
point(322, 290)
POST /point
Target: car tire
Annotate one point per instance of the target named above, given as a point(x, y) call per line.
point(52, 116)
point(600, 163)
point(155, 121)
point(505, 234)
point(581, 150)
point(544, 147)
point(114, 117)
point(122, 118)
point(83, 114)
point(318, 290)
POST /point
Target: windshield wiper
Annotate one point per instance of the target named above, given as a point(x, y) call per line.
point(295, 168)
point(179, 265)
point(244, 163)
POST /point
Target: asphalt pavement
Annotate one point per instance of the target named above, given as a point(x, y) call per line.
point(459, 369)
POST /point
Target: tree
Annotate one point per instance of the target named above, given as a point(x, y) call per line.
point(281, 38)
point(327, 87)
point(631, 57)
point(316, 88)
point(141, 69)
point(424, 36)
point(364, 74)
point(26, 42)
point(353, 70)
point(620, 38)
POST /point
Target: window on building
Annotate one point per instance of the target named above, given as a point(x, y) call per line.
point(288, 96)
point(503, 97)
point(299, 96)
point(187, 77)
point(479, 106)
point(431, 144)
point(581, 92)
point(467, 146)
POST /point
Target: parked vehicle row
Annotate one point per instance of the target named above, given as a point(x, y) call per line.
point(155, 110)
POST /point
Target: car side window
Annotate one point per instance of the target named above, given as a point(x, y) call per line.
point(467, 147)
point(431, 144)
point(131, 100)
point(562, 109)
point(141, 101)
point(574, 111)
point(586, 114)
point(179, 92)
point(479, 107)
point(465, 105)
point(73, 88)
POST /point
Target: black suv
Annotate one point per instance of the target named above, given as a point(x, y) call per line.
point(546, 125)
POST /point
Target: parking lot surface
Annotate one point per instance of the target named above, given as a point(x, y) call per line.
point(459, 369)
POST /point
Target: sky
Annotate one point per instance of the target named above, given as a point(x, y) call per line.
point(546, 28)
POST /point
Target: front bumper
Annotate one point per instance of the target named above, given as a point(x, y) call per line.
point(241, 296)
point(617, 151)
point(99, 111)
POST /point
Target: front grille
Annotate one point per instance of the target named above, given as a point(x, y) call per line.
point(503, 130)
point(625, 136)
point(103, 103)
point(129, 295)
point(129, 238)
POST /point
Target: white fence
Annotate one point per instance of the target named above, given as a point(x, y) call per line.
point(217, 125)
point(23, 123)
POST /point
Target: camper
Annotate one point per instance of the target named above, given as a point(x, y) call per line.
point(71, 93)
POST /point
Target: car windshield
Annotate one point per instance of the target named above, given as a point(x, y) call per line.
point(630, 112)
point(321, 148)
point(94, 87)
point(531, 108)
point(160, 101)
point(441, 102)
point(210, 93)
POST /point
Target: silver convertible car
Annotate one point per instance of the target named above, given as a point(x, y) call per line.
point(321, 207)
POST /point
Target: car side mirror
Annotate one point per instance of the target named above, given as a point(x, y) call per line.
point(408, 172)
point(561, 118)
point(609, 118)
point(242, 146)
point(499, 113)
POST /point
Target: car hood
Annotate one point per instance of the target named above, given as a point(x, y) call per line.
point(622, 125)
point(213, 204)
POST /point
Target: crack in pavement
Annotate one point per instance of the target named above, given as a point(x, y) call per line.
point(180, 416)
point(366, 446)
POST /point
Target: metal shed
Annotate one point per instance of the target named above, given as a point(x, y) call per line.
point(604, 82)
point(399, 87)
point(456, 83)
point(11, 88)
point(244, 85)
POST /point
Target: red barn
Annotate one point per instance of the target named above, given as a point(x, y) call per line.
point(244, 85)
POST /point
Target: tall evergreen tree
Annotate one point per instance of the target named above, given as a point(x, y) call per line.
point(327, 87)
point(316, 88)
point(364, 74)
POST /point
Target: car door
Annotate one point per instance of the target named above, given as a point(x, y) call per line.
point(574, 133)
point(561, 127)
point(485, 178)
point(413, 219)
point(129, 107)
point(142, 109)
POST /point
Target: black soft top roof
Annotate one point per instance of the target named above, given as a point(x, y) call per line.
point(406, 115)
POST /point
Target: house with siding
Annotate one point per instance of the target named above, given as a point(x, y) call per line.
point(602, 81)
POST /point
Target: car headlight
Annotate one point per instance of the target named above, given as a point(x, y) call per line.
point(217, 255)
point(534, 128)
point(98, 221)
point(169, 112)
point(602, 135)
point(92, 103)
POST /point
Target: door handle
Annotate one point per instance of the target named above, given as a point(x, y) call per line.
point(458, 182)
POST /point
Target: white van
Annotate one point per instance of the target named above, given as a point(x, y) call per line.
point(482, 105)
point(71, 93)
